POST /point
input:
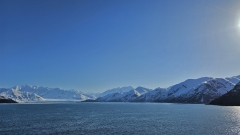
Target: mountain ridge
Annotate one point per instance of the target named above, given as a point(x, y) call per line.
point(200, 90)
point(231, 98)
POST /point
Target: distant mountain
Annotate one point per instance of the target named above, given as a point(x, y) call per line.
point(232, 98)
point(158, 94)
point(28, 93)
point(5, 100)
point(201, 90)
point(19, 96)
point(122, 96)
point(116, 90)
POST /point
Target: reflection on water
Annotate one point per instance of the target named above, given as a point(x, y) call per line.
point(118, 118)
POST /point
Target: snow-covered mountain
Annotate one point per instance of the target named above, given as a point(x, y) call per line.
point(231, 98)
point(26, 93)
point(151, 96)
point(122, 96)
point(116, 90)
point(184, 87)
point(201, 90)
point(234, 79)
point(19, 96)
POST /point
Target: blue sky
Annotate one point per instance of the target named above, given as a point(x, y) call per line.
point(94, 45)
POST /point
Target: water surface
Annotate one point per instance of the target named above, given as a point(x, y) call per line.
point(118, 118)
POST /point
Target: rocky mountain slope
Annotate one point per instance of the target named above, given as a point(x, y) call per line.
point(5, 100)
point(232, 98)
point(201, 90)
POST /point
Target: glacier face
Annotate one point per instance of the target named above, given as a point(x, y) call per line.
point(201, 90)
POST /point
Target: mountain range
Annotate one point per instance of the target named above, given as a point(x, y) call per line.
point(201, 90)
point(28, 93)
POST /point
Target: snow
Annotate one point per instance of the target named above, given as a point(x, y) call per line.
point(2, 97)
point(28, 93)
point(234, 79)
point(116, 90)
point(198, 90)
point(125, 96)
point(186, 86)
point(238, 84)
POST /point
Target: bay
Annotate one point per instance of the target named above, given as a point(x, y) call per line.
point(118, 118)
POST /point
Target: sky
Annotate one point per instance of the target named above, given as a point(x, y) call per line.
point(95, 45)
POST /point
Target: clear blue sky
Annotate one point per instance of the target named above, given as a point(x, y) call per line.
point(94, 45)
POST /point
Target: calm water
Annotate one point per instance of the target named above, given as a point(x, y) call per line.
point(118, 118)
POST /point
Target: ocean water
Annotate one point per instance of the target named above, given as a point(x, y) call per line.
point(118, 118)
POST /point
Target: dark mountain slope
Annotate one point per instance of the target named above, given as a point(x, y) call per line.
point(4, 100)
point(232, 98)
